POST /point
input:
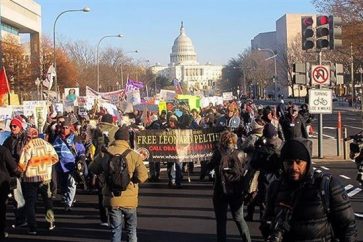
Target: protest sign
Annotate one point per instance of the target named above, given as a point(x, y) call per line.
point(182, 145)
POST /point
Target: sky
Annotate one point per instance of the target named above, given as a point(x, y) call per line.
point(219, 29)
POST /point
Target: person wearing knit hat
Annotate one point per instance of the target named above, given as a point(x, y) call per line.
point(269, 131)
point(122, 134)
point(16, 121)
point(314, 205)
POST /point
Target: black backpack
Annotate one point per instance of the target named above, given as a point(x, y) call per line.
point(231, 169)
point(118, 177)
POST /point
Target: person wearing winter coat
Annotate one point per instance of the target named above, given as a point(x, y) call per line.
point(304, 205)
point(292, 124)
point(222, 198)
point(36, 162)
point(121, 207)
point(8, 169)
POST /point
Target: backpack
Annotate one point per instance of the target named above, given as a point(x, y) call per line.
point(118, 177)
point(231, 169)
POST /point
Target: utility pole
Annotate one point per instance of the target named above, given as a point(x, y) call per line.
point(352, 72)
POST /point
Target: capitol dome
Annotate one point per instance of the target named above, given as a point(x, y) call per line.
point(183, 49)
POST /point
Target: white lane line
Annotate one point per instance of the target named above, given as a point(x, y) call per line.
point(331, 137)
point(359, 215)
point(348, 187)
point(345, 177)
point(354, 192)
point(353, 127)
point(325, 168)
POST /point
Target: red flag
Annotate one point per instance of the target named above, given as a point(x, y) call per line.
point(4, 84)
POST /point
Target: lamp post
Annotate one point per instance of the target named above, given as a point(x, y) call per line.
point(275, 69)
point(85, 9)
point(98, 61)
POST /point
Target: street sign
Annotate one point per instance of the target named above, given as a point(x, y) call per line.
point(320, 75)
point(320, 101)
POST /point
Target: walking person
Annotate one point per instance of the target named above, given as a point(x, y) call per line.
point(121, 206)
point(8, 169)
point(228, 164)
point(36, 162)
point(304, 205)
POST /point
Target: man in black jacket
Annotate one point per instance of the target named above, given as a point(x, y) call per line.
point(292, 124)
point(8, 168)
point(301, 206)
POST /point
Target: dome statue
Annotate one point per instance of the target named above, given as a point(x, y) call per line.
point(183, 50)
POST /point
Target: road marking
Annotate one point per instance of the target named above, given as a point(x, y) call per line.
point(353, 127)
point(354, 192)
point(348, 187)
point(348, 118)
point(329, 128)
point(318, 171)
point(331, 137)
point(325, 168)
point(345, 177)
point(359, 215)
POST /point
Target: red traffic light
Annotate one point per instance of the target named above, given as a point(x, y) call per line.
point(307, 21)
point(321, 20)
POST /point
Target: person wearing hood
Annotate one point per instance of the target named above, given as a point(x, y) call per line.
point(304, 205)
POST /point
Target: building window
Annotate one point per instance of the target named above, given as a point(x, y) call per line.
point(10, 29)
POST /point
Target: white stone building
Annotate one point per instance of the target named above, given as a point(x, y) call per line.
point(288, 30)
point(184, 67)
point(22, 17)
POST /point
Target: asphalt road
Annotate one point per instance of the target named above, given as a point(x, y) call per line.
point(167, 214)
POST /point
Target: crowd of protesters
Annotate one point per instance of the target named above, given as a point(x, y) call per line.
point(72, 156)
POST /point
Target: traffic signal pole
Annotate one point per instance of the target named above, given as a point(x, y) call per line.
point(320, 127)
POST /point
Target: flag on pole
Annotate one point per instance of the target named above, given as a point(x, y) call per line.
point(4, 83)
point(51, 73)
point(178, 88)
point(132, 85)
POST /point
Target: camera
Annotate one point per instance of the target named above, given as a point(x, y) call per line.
point(281, 225)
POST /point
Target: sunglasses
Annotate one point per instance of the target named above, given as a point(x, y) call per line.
point(13, 126)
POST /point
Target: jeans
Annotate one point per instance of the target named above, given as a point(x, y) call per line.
point(101, 208)
point(68, 188)
point(30, 191)
point(129, 216)
point(175, 172)
point(154, 168)
point(220, 203)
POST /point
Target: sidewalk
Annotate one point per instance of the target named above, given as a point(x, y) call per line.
point(329, 150)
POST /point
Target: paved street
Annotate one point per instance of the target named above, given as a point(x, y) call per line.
point(170, 214)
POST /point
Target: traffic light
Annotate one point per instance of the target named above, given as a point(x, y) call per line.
point(307, 32)
point(299, 74)
point(322, 32)
point(335, 32)
point(336, 73)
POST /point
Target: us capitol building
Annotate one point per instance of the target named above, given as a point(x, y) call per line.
point(183, 66)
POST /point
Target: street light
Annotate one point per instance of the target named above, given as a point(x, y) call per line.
point(98, 61)
point(85, 9)
point(275, 71)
